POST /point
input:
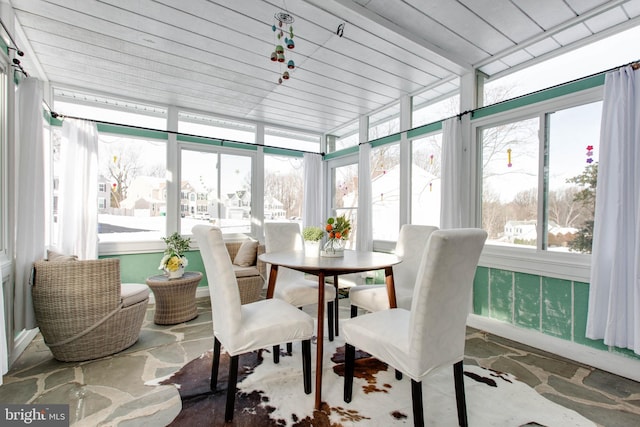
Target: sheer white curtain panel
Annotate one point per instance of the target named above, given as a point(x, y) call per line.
point(312, 207)
point(614, 293)
point(30, 203)
point(455, 209)
point(78, 200)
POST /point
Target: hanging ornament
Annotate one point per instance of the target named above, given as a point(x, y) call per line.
point(589, 154)
point(431, 159)
point(509, 164)
point(281, 33)
point(430, 186)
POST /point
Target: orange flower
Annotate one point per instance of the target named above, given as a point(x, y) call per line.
point(332, 235)
point(338, 235)
point(329, 227)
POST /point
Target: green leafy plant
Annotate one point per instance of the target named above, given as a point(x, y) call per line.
point(174, 257)
point(312, 233)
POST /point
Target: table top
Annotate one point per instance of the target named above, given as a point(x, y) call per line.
point(351, 262)
point(188, 275)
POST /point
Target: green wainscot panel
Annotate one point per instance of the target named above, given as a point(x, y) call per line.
point(501, 295)
point(135, 268)
point(580, 309)
point(527, 300)
point(556, 307)
point(481, 292)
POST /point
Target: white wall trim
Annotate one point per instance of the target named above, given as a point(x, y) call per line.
point(21, 342)
point(610, 362)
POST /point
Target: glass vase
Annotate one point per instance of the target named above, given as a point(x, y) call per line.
point(333, 248)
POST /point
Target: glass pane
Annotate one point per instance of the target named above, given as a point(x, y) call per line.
point(344, 137)
point(219, 197)
point(198, 189)
point(574, 135)
point(590, 59)
point(385, 191)
point(194, 124)
point(426, 159)
point(155, 118)
point(283, 188)
point(384, 123)
point(275, 137)
point(132, 175)
point(345, 199)
point(510, 182)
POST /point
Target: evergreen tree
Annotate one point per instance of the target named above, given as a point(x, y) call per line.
point(587, 197)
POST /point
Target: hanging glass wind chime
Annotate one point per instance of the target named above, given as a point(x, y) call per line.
point(283, 37)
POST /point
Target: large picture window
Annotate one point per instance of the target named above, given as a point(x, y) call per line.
point(539, 177)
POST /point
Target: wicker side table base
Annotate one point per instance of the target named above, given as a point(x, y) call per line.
point(175, 298)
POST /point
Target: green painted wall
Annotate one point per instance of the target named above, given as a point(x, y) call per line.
point(552, 306)
point(135, 268)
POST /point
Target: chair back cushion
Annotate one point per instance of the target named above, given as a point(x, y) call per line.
point(283, 236)
point(442, 297)
point(411, 245)
point(223, 286)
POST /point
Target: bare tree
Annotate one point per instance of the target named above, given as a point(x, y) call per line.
point(120, 162)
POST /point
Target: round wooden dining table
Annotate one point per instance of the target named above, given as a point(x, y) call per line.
point(351, 262)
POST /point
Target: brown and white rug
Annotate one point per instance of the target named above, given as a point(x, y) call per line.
point(272, 395)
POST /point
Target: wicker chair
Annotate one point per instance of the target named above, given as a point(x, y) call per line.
point(250, 285)
point(83, 311)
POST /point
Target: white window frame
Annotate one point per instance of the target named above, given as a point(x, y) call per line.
point(536, 261)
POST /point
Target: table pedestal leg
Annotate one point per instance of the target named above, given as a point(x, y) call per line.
point(320, 341)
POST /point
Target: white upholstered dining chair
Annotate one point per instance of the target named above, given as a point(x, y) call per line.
point(412, 242)
point(291, 285)
point(245, 328)
point(434, 328)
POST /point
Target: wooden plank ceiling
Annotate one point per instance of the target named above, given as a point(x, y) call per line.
point(214, 56)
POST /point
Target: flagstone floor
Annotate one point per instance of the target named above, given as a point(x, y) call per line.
point(111, 391)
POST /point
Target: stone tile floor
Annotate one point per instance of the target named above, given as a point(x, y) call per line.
point(111, 391)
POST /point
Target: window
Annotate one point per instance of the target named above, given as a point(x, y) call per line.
point(213, 127)
point(275, 137)
point(426, 156)
point(385, 122)
point(385, 191)
point(134, 172)
point(215, 188)
point(345, 137)
point(283, 188)
point(436, 104)
point(344, 188)
point(538, 187)
point(590, 59)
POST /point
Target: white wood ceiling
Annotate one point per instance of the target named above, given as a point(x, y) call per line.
point(213, 56)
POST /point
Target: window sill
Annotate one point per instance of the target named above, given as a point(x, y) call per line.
point(561, 265)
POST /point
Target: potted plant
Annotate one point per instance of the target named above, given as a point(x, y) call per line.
point(312, 236)
point(174, 262)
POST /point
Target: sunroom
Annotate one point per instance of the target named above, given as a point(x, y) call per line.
point(492, 114)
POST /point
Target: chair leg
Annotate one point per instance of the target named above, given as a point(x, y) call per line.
point(306, 365)
point(398, 375)
point(215, 364)
point(349, 362)
point(336, 308)
point(330, 313)
point(461, 402)
point(354, 310)
point(276, 354)
point(231, 389)
point(416, 397)
point(289, 348)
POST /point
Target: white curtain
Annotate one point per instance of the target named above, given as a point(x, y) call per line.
point(614, 295)
point(4, 353)
point(78, 202)
point(455, 209)
point(364, 240)
point(312, 207)
point(30, 207)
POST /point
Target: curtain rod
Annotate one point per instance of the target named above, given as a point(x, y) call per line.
point(222, 140)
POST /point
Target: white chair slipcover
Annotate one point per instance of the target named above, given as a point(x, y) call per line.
point(435, 327)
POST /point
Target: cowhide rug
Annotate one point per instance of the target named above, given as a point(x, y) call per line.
point(273, 395)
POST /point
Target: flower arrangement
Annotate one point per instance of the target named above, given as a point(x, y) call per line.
point(338, 228)
point(173, 259)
